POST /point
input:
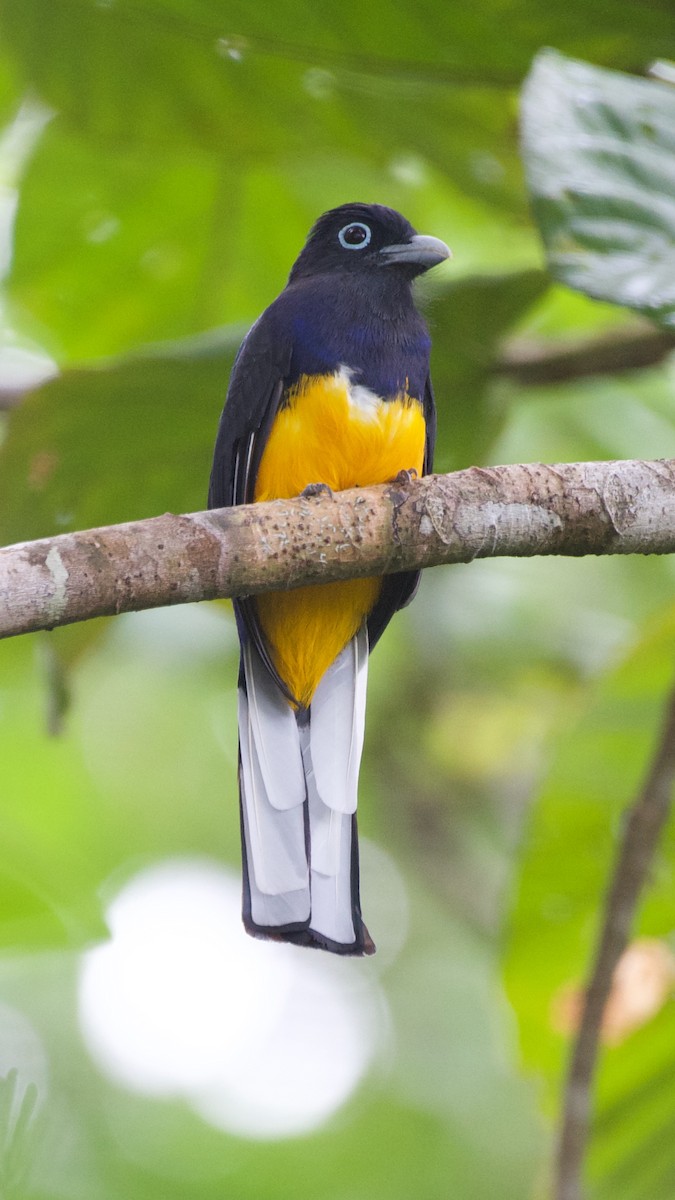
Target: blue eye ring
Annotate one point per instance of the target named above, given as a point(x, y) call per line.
point(352, 228)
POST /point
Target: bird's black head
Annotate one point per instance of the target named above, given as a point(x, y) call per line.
point(359, 238)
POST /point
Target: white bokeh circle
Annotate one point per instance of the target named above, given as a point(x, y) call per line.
point(263, 1040)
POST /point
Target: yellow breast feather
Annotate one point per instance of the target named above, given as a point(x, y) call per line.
point(334, 432)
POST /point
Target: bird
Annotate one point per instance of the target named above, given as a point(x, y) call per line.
point(330, 389)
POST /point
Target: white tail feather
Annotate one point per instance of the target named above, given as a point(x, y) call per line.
point(330, 839)
point(275, 734)
point(285, 766)
point(337, 726)
point(331, 749)
point(325, 824)
point(286, 908)
point(332, 901)
point(275, 838)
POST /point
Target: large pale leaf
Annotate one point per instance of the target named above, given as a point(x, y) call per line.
point(600, 158)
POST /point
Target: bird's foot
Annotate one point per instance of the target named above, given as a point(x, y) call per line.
point(317, 489)
point(406, 476)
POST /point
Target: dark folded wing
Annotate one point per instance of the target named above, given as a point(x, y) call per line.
point(253, 397)
point(256, 389)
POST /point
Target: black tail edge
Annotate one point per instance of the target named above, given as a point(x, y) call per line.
point(302, 934)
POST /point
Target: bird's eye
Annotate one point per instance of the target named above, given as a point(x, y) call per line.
point(355, 236)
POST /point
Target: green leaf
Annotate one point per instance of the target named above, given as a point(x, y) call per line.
point(599, 153)
point(125, 251)
point(467, 320)
point(33, 918)
point(117, 443)
point(176, 184)
point(181, 171)
point(568, 856)
point(202, 48)
point(50, 867)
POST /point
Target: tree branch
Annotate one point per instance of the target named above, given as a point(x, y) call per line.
point(573, 508)
point(530, 362)
point(645, 822)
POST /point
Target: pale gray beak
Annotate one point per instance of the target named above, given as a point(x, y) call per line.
point(421, 251)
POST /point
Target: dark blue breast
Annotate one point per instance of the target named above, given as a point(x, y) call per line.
point(334, 327)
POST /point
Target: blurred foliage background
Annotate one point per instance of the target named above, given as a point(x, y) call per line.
point(160, 164)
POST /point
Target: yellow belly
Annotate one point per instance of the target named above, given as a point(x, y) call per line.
point(323, 436)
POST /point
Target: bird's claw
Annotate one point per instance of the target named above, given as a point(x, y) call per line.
point(317, 489)
point(406, 476)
